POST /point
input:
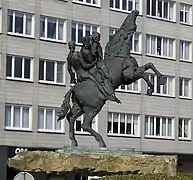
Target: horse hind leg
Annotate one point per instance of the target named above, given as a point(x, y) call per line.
point(87, 125)
point(149, 83)
point(75, 112)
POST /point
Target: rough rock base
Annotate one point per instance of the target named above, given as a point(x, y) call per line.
point(54, 162)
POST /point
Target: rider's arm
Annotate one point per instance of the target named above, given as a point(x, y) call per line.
point(87, 66)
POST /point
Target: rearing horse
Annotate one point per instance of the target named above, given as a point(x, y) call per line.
point(87, 98)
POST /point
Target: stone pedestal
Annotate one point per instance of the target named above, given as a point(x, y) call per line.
point(96, 161)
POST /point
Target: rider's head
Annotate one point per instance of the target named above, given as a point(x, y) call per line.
point(71, 45)
point(96, 36)
point(86, 41)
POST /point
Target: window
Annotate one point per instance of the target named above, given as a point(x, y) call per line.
point(185, 87)
point(161, 9)
point(136, 40)
point(47, 120)
point(125, 5)
point(17, 117)
point(185, 50)
point(160, 46)
point(184, 128)
point(79, 121)
point(159, 127)
point(185, 13)
point(134, 87)
point(123, 124)
point(52, 28)
point(20, 23)
point(79, 30)
point(18, 67)
point(89, 2)
point(168, 89)
point(51, 71)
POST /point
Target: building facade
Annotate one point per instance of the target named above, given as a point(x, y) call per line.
point(34, 78)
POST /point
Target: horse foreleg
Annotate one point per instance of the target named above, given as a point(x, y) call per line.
point(149, 65)
point(75, 112)
point(150, 90)
point(87, 125)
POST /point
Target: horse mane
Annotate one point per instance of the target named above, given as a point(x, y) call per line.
point(120, 43)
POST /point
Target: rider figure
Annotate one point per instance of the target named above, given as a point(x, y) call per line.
point(101, 65)
point(71, 46)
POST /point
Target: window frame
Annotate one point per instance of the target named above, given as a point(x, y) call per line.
point(126, 11)
point(184, 10)
point(24, 24)
point(83, 29)
point(96, 119)
point(132, 124)
point(55, 72)
point(86, 3)
point(54, 111)
point(183, 126)
point(190, 51)
point(119, 89)
point(162, 18)
point(183, 88)
point(154, 128)
point(21, 106)
point(23, 62)
point(162, 47)
point(168, 80)
point(46, 29)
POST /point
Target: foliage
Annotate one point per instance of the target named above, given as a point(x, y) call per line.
point(149, 177)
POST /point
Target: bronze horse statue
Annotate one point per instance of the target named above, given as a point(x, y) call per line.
point(87, 98)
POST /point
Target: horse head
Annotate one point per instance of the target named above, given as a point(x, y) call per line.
point(129, 24)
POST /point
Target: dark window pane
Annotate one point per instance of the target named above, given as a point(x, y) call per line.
point(87, 30)
point(109, 127)
point(51, 28)
point(78, 125)
point(19, 23)
point(60, 72)
point(124, 5)
point(41, 70)
point(74, 32)
point(88, 1)
point(49, 71)
point(181, 16)
point(42, 27)
point(158, 126)
point(18, 67)
point(181, 82)
point(117, 4)
point(130, 5)
point(27, 68)
point(122, 128)
point(153, 8)
point(8, 66)
point(148, 7)
point(159, 13)
point(128, 128)
point(80, 33)
point(111, 3)
point(115, 127)
point(180, 128)
point(10, 22)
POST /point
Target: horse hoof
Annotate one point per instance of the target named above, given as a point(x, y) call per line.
point(74, 143)
point(102, 144)
point(149, 92)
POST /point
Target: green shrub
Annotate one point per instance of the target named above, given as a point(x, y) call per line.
point(149, 177)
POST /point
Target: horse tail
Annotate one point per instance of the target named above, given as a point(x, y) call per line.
point(65, 107)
